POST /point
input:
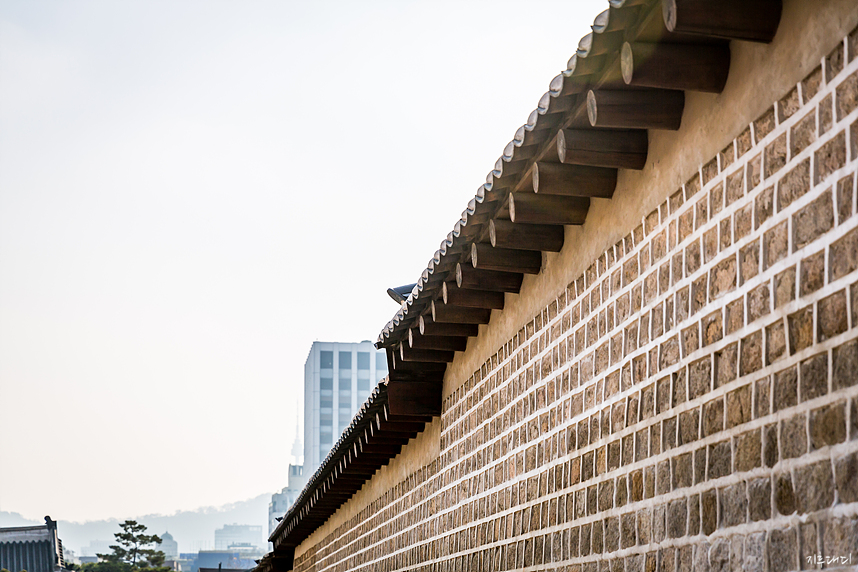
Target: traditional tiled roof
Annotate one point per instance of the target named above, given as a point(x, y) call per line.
point(627, 76)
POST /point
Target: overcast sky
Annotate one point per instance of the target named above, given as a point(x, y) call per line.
point(192, 192)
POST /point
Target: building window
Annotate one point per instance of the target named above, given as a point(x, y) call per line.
point(325, 437)
point(326, 383)
point(345, 360)
point(381, 361)
point(326, 360)
point(363, 360)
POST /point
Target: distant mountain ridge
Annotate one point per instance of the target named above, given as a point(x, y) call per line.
point(192, 529)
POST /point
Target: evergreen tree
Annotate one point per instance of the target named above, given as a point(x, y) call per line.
point(132, 551)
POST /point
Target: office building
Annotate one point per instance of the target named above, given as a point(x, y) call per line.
point(280, 502)
point(338, 377)
point(239, 534)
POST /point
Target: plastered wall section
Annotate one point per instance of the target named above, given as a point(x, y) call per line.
point(688, 400)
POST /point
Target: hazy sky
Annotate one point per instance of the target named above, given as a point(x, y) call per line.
point(192, 192)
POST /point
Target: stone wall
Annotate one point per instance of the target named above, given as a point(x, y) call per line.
point(689, 402)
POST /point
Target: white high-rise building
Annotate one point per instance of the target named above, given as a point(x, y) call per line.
point(338, 377)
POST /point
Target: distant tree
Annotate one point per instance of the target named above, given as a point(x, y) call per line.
point(131, 552)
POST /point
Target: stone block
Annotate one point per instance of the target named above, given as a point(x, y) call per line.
point(810, 85)
point(677, 516)
point(725, 234)
point(720, 460)
point(722, 278)
point(699, 378)
point(682, 471)
point(716, 199)
point(808, 541)
point(762, 397)
point(644, 518)
point(744, 142)
point(775, 244)
point(814, 377)
point(680, 388)
point(743, 222)
point(712, 328)
point(749, 260)
point(708, 512)
point(776, 155)
point(793, 437)
point(840, 537)
point(662, 395)
point(713, 416)
point(788, 105)
point(752, 353)
point(636, 488)
point(669, 352)
point(755, 552)
point(844, 255)
point(845, 471)
point(784, 498)
point(828, 425)
point(759, 302)
point(826, 114)
point(698, 292)
point(689, 426)
point(844, 371)
point(690, 339)
point(784, 287)
point(853, 136)
point(686, 225)
point(847, 96)
point(735, 186)
point(775, 342)
point(794, 184)
point(814, 220)
point(710, 244)
point(764, 125)
point(800, 325)
point(814, 485)
point(812, 276)
point(606, 495)
point(830, 157)
point(739, 406)
point(726, 362)
point(844, 198)
point(612, 534)
point(759, 499)
point(700, 465)
point(803, 133)
point(735, 315)
point(832, 318)
point(764, 206)
point(733, 505)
